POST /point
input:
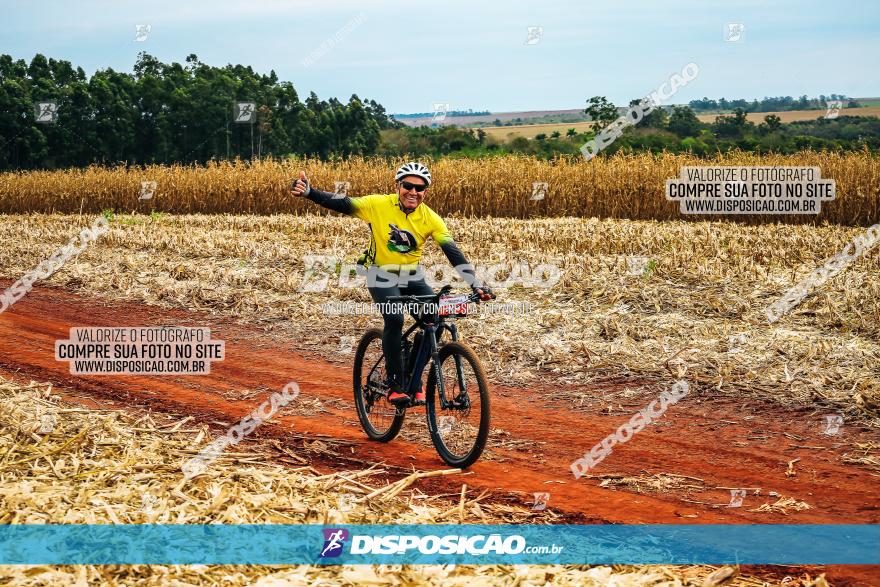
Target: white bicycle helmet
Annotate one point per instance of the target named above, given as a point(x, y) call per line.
point(413, 168)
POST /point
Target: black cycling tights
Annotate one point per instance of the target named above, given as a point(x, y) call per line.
point(382, 289)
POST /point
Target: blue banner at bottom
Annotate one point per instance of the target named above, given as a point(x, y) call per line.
point(440, 544)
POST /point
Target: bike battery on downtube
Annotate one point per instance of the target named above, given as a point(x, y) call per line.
point(422, 350)
point(410, 350)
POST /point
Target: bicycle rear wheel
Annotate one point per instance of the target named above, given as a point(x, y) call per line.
point(379, 418)
point(459, 432)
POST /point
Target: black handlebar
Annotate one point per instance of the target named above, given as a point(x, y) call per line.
point(473, 297)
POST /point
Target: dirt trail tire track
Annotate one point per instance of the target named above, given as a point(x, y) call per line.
point(692, 438)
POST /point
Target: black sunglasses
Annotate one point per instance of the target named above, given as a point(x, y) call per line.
point(418, 187)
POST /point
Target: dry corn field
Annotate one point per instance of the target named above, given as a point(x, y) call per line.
point(698, 309)
point(122, 468)
point(622, 186)
point(600, 341)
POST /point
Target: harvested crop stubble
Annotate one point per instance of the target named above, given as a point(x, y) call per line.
point(699, 304)
point(621, 186)
point(782, 505)
point(645, 483)
point(111, 467)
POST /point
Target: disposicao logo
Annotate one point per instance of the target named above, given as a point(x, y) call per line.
point(471, 545)
point(334, 540)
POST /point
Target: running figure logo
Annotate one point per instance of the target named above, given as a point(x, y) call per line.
point(833, 422)
point(334, 540)
point(735, 32)
point(736, 498)
point(46, 112)
point(834, 107)
point(244, 112)
point(534, 35)
point(541, 499)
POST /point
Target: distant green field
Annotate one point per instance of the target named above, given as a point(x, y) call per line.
point(530, 130)
point(869, 102)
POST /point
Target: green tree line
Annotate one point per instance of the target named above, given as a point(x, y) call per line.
point(169, 113)
point(674, 129)
point(679, 130)
point(776, 104)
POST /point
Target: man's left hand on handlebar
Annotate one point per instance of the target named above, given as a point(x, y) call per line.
point(484, 292)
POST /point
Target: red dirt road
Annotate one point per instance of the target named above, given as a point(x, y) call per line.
point(723, 443)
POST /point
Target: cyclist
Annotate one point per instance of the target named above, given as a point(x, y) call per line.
point(399, 226)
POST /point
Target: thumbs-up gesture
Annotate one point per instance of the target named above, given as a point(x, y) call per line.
point(301, 186)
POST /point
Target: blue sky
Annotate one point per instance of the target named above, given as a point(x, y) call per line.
point(409, 55)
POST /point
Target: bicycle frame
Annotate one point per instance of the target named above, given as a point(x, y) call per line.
point(428, 350)
point(426, 346)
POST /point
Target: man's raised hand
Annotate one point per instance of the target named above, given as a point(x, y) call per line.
point(301, 187)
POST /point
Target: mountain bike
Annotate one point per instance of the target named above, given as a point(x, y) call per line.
point(457, 392)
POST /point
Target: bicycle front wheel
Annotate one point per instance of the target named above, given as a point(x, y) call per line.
point(459, 425)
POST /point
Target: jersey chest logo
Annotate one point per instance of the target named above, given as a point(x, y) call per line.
point(400, 240)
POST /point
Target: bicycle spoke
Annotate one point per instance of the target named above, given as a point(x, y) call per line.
point(380, 419)
point(459, 370)
point(462, 423)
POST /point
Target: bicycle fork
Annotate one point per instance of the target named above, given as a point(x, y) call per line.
point(459, 371)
